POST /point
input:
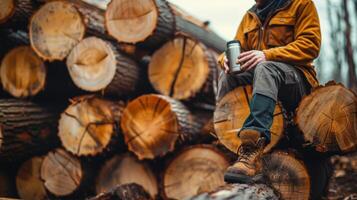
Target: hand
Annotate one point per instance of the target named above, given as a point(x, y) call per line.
point(225, 64)
point(250, 59)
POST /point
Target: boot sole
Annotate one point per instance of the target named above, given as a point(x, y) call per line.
point(241, 178)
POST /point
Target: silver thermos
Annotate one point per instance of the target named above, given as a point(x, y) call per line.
point(233, 52)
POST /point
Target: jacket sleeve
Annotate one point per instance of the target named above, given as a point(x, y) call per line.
point(306, 46)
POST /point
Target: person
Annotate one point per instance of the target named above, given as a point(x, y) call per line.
point(279, 40)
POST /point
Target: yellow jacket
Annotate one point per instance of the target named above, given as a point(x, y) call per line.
point(291, 35)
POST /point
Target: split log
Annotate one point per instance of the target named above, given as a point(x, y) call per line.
point(152, 23)
point(195, 170)
point(231, 112)
point(16, 13)
point(62, 173)
point(88, 125)
point(55, 29)
point(154, 125)
point(22, 72)
point(131, 191)
point(26, 129)
point(328, 119)
point(182, 69)
point(126, 169)
point(28, 180)
point(239, 191)
point(96, 65)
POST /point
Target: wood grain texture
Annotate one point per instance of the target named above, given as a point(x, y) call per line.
point(328, 118)
point(17, 13)
point(22, 72)
point(125, 169)
point(233, 110)
point(154, 125)
point(87, 126)
point(55, 29)
point(195, 170)
point(61, 172)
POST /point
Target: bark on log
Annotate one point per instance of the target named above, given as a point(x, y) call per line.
point(88, 125)
point(62, 173)
point(195, 170)
point(153, 22)
point(126, 169)
point(232, 111)
point(16, 13)
point(22, 72)
point(55, 29)
point(26, 129)
point(96, 65)
point(28, 180)
point(183, 68)
point(154, 125)
point(328, 119)
point(128, 192)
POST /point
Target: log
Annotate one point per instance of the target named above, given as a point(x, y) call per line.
point(239, 191)
point(125, 169)
point(28, 180)
point(16, 13)
point(195, 170)
point(61, 172)
point(87, 126)
point(96, 65)
point(328, 119)
point(131, 191)
point(154, 125)
point(26, 129)
point(182, 69)
point(22, 72)
point(232, 111)
point(152, 23)
point(55, 29)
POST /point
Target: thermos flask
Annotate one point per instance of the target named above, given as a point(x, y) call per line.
point(233, 52)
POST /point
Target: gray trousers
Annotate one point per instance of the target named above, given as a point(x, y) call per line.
point(276, 80)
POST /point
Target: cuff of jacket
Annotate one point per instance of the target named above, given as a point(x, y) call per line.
point(269, 55)
point(220, 59)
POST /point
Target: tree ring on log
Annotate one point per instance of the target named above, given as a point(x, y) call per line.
point(7, 8)
point(61, 172)
point(231, 113)
point(28, 180)
point(180, 68)
point(55, 29)
point(131, 21)
point(195, 170)
point(92, 64)
point(22, 72)
point(328, 118)
point(126, 169)
point(287, 175)
point(87, 126)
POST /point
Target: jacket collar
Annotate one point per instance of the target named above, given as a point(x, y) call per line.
point(285, 6)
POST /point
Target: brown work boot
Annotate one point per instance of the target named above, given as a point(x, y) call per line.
point(248, 167)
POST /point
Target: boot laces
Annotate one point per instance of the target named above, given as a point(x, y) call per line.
point(247, 153)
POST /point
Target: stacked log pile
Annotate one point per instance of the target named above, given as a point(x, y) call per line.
point(119, 103)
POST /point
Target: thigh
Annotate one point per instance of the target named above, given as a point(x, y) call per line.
point(228, 82)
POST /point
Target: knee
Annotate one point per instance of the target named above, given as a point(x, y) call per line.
point(266, 68)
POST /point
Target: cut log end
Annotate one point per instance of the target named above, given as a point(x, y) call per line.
point(196, 170)
point(231, 113)
point(150, 127)
point(328, 119)
point(28, 180)
point(140, 15)
point(287, 175)
point(87, 126)
point(7, 8)
point(22, 72)
point(55, 29)
point(61, 173)
point(126, 169)
point(180, 68)
point(92, 64)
